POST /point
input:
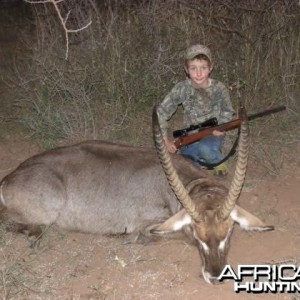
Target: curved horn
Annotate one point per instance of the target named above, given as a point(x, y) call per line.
point(240, 170)
point(172, 176)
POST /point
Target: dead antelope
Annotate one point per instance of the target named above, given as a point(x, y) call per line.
point(108, 188)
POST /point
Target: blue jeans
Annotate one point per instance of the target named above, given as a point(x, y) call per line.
point(207, 150)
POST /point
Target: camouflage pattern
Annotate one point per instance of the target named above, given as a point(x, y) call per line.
point(194, 50)
point(199, 104)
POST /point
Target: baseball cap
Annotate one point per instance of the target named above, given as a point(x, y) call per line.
point(194, 50)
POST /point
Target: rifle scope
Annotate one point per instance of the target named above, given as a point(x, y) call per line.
point(185, 131)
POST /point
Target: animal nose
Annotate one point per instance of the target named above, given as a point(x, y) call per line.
point(215, 281)
point(209, 278)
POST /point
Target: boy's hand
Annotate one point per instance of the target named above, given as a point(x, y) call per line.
point(218, 133)
point(170, 145)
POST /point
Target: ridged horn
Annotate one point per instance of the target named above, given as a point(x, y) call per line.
point(171, 174)
point(240, 170)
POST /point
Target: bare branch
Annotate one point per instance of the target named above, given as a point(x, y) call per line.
point(63, 20)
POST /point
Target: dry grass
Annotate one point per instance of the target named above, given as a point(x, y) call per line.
point(34, 274)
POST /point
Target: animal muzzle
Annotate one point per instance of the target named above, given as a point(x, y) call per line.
point(211, 278)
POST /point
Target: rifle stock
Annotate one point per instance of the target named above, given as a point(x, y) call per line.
point(189, 139)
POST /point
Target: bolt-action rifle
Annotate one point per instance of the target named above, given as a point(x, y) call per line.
point(195, 133)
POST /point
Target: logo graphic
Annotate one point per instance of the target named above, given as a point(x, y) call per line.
point(258, 279)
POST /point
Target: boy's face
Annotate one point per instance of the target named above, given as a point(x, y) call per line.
point(199, 70)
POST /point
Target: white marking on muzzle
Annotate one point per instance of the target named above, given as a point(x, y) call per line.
point(206, 276)
point(1, 194)
point(205, 247)
point(223, 242)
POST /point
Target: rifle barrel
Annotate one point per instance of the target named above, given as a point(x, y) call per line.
point(266, 112)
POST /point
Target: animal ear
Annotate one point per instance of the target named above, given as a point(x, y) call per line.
point(174, 223)
point(247, 221)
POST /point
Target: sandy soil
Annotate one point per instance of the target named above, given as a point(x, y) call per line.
point(84, 266)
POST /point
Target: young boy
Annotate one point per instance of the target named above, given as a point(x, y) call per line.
point(202, 98)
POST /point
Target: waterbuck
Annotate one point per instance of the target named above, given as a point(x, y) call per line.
point(108, 188)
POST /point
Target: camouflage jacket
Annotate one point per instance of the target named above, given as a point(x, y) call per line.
point(199, 104)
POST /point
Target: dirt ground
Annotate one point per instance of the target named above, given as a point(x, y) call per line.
point(84, 266)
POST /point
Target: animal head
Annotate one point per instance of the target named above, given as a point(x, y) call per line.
point(209, 208)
